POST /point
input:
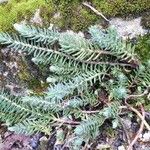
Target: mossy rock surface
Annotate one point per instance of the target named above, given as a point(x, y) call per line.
point(73, 15)
point(17, 70)
point(143, 47)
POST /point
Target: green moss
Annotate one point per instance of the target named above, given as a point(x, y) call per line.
point(78, 17)
point(143, 47)
point(121, 7)
point(83, 20)
point(146, 20)
point(27, 77)
point(15, 11)
point(73, 14)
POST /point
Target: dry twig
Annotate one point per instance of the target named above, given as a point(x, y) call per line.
point(70, 122)
point(95, 11)
point(146, 92)
point(139, 115)
point(140, 130)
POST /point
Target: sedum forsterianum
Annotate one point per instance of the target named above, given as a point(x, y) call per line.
point(82, 69)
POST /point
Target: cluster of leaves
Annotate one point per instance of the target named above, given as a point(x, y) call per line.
point(89, 80)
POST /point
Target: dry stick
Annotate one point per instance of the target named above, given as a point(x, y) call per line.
point(140, 130)
point(70, 122)
point(140, 116)
point(97, 111)
point(95, 11)
point(146, 92)
point(90, 112)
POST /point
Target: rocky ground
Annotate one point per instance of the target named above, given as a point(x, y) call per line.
point(108, 139)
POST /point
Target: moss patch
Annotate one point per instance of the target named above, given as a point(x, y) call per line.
point(73, 14)
point(18, 10)
point(143, 47)
point(121, 7)
point(27, 77)
point(78, 17)
point(146, 19)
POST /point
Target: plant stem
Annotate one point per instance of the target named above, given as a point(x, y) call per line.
point(70, 122)
point(140, 130)
point(95, 11)
point(139, 115)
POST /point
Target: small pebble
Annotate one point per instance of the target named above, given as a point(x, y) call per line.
point(121, 147)
point(103, 146)
point(146, 136)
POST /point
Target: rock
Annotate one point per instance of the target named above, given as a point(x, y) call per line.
point(13, 141)
point(102, 146)
point(134, 127)
point(16, 90)
point(3, 1)
point(34, 141)
point(37, 18)
point(43, 143)
point(145, 137)
point(127, 122)
point(121, 147)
